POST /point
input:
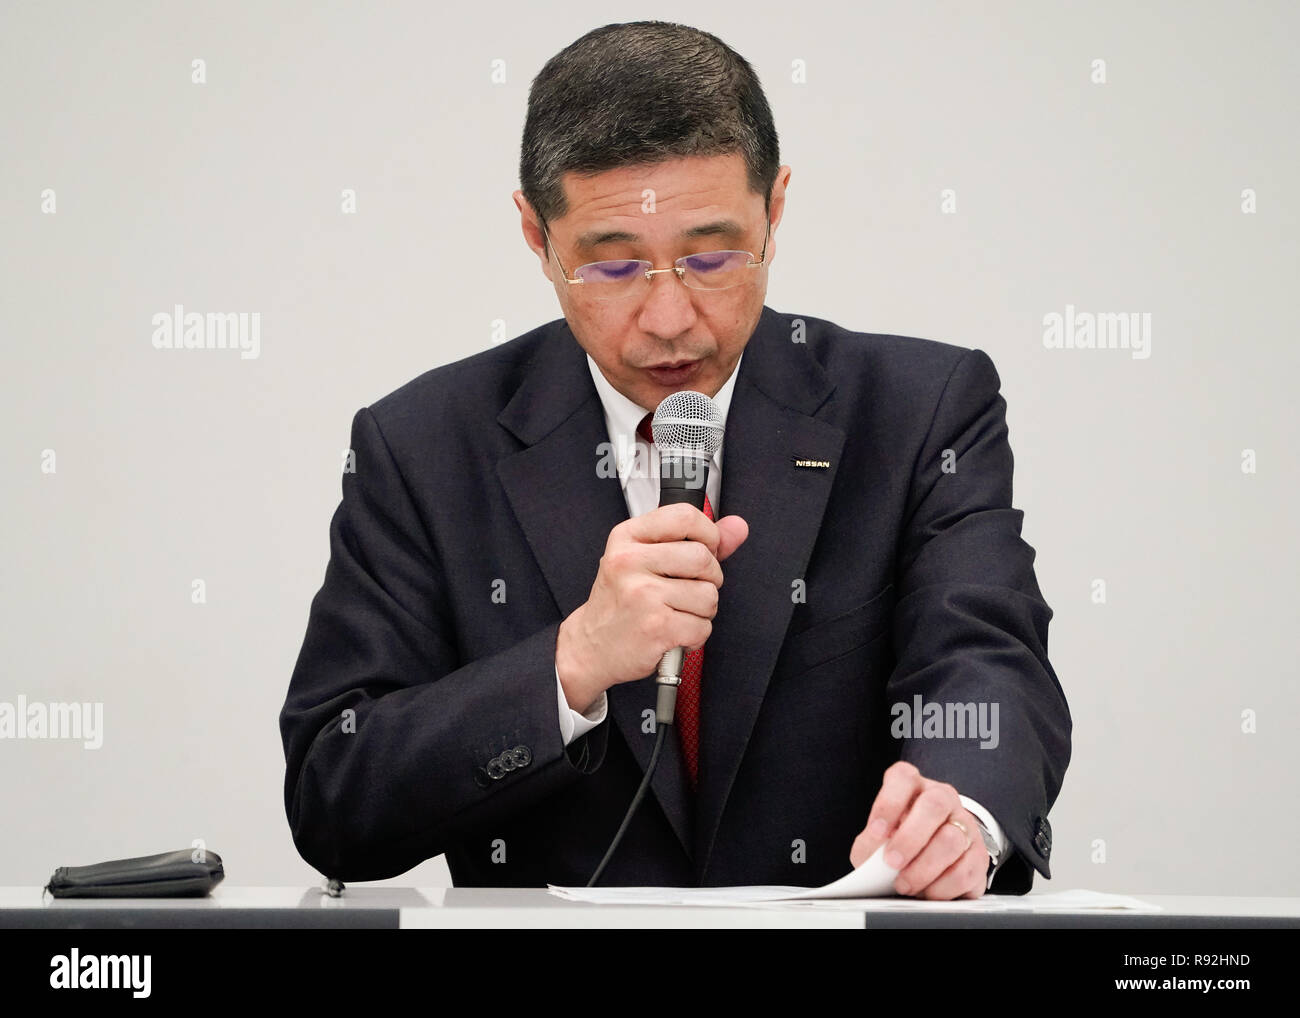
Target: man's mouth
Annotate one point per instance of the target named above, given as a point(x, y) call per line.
point(673, 372)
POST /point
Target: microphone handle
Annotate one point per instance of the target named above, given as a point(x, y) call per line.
point(680, 480)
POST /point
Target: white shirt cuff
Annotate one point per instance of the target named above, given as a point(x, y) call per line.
point(994, 828)
point(573, 725)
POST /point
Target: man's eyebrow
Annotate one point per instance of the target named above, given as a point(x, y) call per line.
point(717, 228)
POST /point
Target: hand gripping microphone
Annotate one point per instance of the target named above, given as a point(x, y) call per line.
point(687, 430)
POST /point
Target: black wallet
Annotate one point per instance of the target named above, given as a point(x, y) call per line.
point(166, 875)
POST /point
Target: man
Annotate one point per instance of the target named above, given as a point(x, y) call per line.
point(476, 677)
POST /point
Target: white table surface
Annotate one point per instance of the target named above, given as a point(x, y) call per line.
point(524, 907)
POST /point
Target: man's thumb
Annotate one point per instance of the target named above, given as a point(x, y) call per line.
point(733, 531)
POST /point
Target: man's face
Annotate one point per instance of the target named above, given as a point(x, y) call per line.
point(700, 204)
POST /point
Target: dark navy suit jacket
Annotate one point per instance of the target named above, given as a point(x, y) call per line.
point(422, 716)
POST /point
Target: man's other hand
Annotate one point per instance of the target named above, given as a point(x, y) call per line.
point(934, 858)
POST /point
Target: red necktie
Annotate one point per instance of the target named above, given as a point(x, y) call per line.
point(688, 694)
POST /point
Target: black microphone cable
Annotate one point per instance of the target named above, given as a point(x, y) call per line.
point(665, 711)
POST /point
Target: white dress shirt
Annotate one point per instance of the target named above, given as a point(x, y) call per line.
point(638, 473)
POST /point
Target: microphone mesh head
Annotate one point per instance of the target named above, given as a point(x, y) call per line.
point(688, 423)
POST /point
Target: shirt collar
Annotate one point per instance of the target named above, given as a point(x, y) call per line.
point(622, 416)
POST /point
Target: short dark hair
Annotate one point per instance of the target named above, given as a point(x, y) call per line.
point(638, 93)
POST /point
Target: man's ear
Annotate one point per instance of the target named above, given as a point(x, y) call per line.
point(777, 208)
point(532, 229)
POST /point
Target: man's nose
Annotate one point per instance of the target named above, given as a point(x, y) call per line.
point(669, 308)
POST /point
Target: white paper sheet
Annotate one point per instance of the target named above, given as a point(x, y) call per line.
point(873, 879)
point(1078, 900)
point(870, 887)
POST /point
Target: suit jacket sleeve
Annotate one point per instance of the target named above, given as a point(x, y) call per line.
point(393, 745)
point(970, 625)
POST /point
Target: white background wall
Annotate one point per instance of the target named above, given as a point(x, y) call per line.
point(175, 465)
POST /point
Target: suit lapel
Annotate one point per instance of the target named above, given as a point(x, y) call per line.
point(770, 423)
point(566, 510)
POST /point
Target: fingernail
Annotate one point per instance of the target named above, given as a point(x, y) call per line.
point(879, 827)
point(893, 858)
point(903, 887)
